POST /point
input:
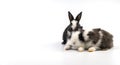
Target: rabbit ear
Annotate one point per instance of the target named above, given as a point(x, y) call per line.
point(79, 16)
point(70, 16)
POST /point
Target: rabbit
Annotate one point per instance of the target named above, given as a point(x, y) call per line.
point(97, 39)
point(72, 35)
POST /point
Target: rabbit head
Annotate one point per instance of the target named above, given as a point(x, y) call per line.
point(74, 23)
point(93, 35)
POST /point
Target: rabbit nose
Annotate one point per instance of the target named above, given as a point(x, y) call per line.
point(74, 43)
point(70, 46)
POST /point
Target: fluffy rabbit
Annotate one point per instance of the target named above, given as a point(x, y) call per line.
point(97, 39)
point(72, 36)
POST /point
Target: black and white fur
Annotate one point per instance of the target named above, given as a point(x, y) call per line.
point(72, 36)
point(97, 39)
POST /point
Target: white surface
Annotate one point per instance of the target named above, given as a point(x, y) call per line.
point(31, 31)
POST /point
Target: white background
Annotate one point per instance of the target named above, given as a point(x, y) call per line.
point(31, 31)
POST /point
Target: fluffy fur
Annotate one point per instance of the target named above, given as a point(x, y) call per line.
point(74, 37)
point(97, 39)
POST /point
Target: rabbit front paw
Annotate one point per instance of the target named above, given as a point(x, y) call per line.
point(80, 49)
point(91, 49)
point(67, 47)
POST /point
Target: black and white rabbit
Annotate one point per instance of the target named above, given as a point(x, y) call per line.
point(97, 39)
point(72, 36)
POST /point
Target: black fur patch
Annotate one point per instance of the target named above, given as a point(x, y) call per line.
point(107, 40)
point(81, 38)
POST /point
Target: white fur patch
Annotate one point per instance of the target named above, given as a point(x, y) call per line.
point(74, 24)
point(75, 39)
point(75, 35)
